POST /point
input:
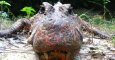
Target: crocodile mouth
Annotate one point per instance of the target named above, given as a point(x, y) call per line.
point(55, 55)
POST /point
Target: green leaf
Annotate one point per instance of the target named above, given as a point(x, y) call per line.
point(5, 3)
point(29, 10)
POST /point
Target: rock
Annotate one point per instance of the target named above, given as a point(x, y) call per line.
point(2, 46)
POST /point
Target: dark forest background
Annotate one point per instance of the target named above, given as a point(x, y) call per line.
point(98, 5)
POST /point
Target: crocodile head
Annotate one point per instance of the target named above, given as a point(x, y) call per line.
point(55, 34)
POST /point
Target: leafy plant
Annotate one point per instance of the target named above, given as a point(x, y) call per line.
point(102, 3)
point(105, 2)
point(85, 17)
point(4, 3)
point(29, 11)
point(113, 40)
point(4, 14)
point(98, 20)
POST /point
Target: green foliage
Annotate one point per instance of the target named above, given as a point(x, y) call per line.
point(85, 17)
point(113, 19)
point(103, 4)
point(4, 14)
point(113, 39)
point(4, 3)
point(98, 20)
point(99, 2)
point(29, 11)
point(6, 22)
point(87, 4)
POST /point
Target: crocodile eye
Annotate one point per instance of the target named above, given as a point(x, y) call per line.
point(42, 9)
point(70, 10)
point(46, 8)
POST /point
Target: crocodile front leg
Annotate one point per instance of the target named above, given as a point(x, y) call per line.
point(18, 25)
